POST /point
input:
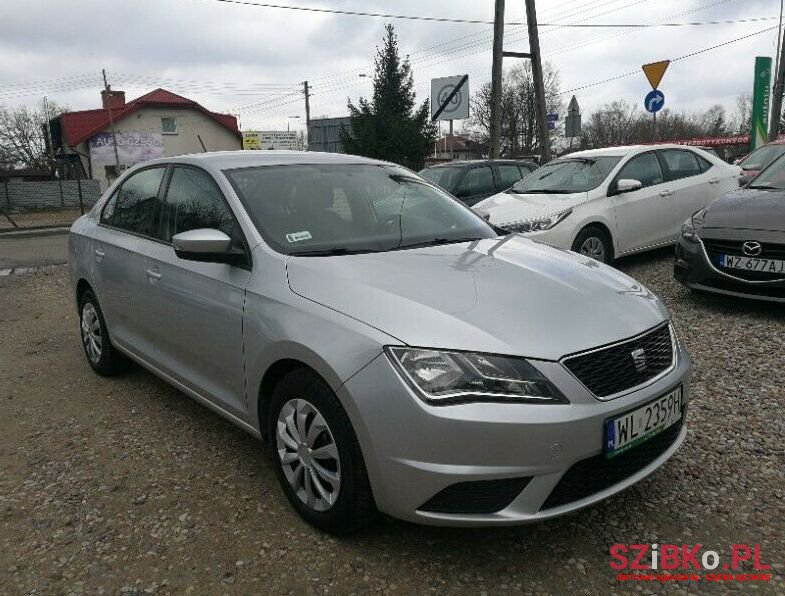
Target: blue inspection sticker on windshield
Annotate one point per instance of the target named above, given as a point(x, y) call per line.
point(298, 236)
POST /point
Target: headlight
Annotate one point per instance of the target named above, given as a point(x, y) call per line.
point(689, 230)
point(448, 377)
point(536, 225)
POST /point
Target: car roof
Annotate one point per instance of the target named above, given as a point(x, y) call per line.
point(624, 150)
point(225, 160)
point(474, 162)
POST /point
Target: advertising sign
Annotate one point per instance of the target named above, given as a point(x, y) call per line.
point(760, 102)
point(271, 139)
point(132, 148)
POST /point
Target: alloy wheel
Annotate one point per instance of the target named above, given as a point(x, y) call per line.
point(91, 332)
point(308, 454)
point(593, 247)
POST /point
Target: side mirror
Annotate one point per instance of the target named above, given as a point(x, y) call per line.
point(628, 185)
point(744, 180)
point(207, 246)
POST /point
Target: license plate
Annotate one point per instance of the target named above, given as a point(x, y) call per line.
point(752, 264)
point(628, 430)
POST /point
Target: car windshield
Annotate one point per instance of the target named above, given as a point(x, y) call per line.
point(447, 177)
point(772, 178)
point(568, 175)
point(762, 157)
point(318, 210)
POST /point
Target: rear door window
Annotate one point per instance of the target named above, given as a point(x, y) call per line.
point(681, 163)
point(135, 206)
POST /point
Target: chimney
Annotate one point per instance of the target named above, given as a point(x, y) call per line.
point(114, 100)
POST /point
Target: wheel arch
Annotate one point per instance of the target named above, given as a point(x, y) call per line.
point(604, 226)
point(82, 286)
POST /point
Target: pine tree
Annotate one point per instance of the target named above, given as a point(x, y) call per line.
point(390, 126)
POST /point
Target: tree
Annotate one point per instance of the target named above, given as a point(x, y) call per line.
point(390, 126)
point(23, 140)
point(519, 132)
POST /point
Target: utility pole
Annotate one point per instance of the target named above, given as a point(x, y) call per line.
point(539, 85)
point(307, 114)
point(107, 88)
point(496, 80)
point(779, 86)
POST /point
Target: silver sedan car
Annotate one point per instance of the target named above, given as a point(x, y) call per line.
point(396, 352)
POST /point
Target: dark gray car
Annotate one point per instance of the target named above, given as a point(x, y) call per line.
point(736, 245)
point(473, 181)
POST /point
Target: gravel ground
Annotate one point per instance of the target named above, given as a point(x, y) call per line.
point(126, 486)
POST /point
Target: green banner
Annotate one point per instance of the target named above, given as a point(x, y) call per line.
point(760, 103)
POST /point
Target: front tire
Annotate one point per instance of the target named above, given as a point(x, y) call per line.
point(101, 355)
point(594, 241)
point(317, 456)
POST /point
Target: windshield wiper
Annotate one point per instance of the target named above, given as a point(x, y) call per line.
point(437, 242)
point(332, 252)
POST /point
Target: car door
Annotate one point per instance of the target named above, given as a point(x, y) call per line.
point(130, 216)
point(644, 217)
point(692, 185)
point(198, 307)
point(476, 185)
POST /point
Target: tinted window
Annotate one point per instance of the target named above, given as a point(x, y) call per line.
point(681, 164)
point(136, 207)
point(447, 177)
point(644, 168)
point(705, 164)
point(476, 182)
point(509, 175)
point(310, 209)
point(193, 201)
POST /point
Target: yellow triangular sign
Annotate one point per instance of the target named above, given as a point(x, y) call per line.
point(654, 72)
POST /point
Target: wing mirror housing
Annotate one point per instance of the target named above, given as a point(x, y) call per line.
point(626, 185)
point(207, 246)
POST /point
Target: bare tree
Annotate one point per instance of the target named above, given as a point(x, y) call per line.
point(519, 134)
point(23, 139)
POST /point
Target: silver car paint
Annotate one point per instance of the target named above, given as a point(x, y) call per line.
point(336, 314)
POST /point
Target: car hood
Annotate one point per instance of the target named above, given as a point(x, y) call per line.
point(748, 209)
point(508, 295)
point(508, 207)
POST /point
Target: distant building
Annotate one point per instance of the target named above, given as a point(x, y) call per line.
point(158, 124)
point(324, 134)
point(458, 147)
point(25, 175)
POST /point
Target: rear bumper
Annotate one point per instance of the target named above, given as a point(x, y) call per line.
point(550, 455)
point(693, 268)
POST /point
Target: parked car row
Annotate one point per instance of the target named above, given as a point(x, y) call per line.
point(473, 181)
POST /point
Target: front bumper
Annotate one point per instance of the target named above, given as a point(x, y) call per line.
point(693, 269)
point(414, 451)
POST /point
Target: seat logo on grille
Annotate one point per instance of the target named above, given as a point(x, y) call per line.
point(639, 359)
point(752, 248)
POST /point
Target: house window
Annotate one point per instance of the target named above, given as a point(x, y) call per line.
point(169, 126)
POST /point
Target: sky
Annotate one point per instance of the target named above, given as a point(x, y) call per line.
point(251, 61)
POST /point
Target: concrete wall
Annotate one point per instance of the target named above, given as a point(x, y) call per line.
point(190, 123)
point(29, 196)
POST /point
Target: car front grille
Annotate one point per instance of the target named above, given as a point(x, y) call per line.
point(716, 248)
point(625, 365)
point(595, 474)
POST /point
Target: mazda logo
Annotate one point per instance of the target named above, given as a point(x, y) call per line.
point(752, 249)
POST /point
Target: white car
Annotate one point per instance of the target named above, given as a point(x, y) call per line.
point(607, 203)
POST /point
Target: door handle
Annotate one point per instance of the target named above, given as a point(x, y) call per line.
point(153, 275)
point(714, 181)
point(99, 254)
point(666, 193)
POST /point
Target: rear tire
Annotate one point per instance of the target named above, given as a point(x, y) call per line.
point(317, 456)
point(101, 355)
point(593, 241)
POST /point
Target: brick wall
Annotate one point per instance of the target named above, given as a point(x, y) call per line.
point(29, 196)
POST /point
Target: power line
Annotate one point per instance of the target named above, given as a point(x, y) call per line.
point(355, 13)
